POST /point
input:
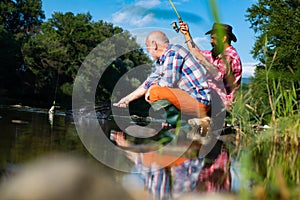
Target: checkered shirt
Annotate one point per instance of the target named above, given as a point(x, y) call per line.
point(177, 68)
point(228, 80)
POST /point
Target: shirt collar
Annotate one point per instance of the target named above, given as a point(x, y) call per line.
point(162, 58)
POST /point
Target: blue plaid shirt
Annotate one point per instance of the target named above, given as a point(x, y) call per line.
point(177, 68)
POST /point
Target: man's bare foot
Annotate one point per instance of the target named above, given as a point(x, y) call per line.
point(199, 128)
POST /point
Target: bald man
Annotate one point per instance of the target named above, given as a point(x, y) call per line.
point(176, 76)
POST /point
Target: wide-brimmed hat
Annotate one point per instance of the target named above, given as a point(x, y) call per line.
point(224, 27)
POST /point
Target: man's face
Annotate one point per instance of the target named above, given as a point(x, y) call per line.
point(217, 43)
point(151, 49)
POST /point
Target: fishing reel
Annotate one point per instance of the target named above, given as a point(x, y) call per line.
point(175, 27)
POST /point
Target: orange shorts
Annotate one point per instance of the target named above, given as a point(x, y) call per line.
point(165, 160)
point(180, 99)
point(162, 160)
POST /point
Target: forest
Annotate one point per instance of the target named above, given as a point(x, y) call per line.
point(40, 59)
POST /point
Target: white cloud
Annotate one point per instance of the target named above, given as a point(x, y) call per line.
point(148, 3)
point(248, 69)
point(137, 14)
point(202, 42)
point(120, 17)
point(140, 21)
point(132, 17)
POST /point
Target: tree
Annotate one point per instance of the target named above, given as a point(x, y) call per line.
point(54, 55)
point(277, 24)
point(19, 19)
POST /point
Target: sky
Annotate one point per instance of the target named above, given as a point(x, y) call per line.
point(158, 14)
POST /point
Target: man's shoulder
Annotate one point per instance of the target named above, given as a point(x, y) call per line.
point(178, 50)
point(177, 47)
point(231, 50)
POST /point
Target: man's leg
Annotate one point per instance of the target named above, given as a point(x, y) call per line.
point(180, 99)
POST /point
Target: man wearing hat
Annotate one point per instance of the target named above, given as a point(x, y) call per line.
point(222, 61)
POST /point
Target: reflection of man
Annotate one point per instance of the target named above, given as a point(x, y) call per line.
point(164, 176)
point(167, 180)
point(223, 61)
point(176, 76)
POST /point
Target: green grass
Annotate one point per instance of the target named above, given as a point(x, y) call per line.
point(269, 161)
point(270, 165)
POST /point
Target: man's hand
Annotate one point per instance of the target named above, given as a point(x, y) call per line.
point(184, 28)
point(123, 103)
point(147, 96)
point(139, 92)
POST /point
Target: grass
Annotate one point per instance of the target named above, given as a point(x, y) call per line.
point(269, 161)
point(270, 165)
point(269, 157)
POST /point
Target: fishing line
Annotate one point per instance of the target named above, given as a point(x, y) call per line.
point(56, 86)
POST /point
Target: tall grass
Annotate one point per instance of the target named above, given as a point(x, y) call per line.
point(269, 161)
point(269, 157)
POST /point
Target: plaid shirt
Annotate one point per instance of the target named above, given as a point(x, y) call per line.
point(230, 72)
point(189, 176)
point(170, 182)
point(177, 68)
point(217, 177)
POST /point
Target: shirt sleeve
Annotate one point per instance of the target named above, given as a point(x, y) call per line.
point(153, 78)
point(166, 72)
point(208, 55)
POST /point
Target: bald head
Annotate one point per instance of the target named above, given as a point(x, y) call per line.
point(159, 37)
point(156, 43)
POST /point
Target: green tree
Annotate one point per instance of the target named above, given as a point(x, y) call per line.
point(8, 51)
point(19, 19)
point(276, 23)
point(54, 55)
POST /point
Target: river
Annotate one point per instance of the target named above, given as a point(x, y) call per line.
point(27, 134)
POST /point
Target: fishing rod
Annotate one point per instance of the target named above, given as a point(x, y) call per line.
point(174, 24)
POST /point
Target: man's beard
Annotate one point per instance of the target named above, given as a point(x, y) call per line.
point(216, 50)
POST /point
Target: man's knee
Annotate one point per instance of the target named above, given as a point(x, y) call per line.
point(154, 92)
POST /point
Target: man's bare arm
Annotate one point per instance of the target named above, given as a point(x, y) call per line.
point(195, 51)
point(139, 92)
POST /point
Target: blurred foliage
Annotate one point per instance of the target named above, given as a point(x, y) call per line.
point(276, 86)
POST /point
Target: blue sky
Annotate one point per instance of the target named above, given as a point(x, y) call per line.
point(134, 14)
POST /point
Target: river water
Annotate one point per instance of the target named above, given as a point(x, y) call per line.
point(27, 134)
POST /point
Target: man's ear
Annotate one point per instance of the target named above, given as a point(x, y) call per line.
point(155, 46)
point(225, 39)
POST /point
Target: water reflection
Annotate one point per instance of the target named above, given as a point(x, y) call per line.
point(179, 176)
point(21, 142)
point(165, 178)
